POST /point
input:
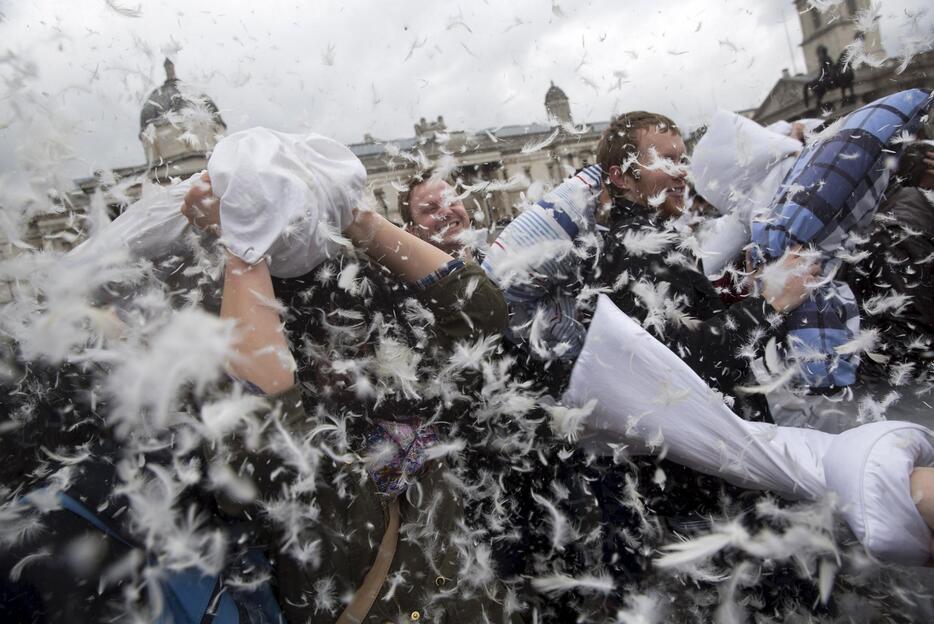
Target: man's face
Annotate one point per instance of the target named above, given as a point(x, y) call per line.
point(437, 215)
point(659, 173)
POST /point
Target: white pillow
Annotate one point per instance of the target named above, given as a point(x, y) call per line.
point(285, 196)
point(282, 195)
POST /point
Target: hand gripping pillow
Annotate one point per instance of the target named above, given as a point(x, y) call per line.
point(285, 196)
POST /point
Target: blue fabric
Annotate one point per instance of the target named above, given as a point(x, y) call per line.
point(189, 594)
point(833, 190)
point(75, 506)
point(433, 278)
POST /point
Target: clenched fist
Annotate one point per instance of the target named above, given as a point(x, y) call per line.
point(201, 207)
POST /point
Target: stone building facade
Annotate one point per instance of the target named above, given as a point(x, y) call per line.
point(499, 163)
point(178, 129)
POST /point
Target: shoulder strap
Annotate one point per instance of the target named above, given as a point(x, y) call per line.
point(369, 590)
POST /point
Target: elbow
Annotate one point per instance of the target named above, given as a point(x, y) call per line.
point(487, 309)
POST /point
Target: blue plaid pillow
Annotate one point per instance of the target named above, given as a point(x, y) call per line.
point(834, 189)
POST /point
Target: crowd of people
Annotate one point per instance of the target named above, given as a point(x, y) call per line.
point(390, 423)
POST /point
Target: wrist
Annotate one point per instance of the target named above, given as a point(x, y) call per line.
point(362, 230)
point(236, 263)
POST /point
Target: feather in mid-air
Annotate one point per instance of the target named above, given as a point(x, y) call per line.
point(117, 363)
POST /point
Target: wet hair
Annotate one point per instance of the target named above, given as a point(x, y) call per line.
point(620, 141)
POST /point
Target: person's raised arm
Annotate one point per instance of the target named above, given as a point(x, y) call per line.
point(535, 263)
point(407, 256)
point(261, 351)
point(262, 354)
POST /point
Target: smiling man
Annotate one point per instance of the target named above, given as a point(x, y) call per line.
point(651, 277)
point(542, 263)
point(431, 210)
point(643, 155)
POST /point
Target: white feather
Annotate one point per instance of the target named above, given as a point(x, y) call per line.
point(561, 583)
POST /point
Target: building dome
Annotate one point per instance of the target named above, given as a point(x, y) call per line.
point(167, 98)
point(557, 105)
point(555, 93)
point(175, 125)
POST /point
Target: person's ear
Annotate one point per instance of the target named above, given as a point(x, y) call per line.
point(622, 181)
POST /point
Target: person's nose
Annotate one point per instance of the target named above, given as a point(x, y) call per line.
point(680, 171)
point(444, 213)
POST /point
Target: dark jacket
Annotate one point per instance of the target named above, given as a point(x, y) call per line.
point(316, 515)
point(711, 336)
point(322, 555)
point(899, 262)
point(709, 343)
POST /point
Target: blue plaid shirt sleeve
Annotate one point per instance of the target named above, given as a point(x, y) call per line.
point(436, 276)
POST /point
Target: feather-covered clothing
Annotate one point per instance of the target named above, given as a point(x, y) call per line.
point(537, 260)
point(322, 534)
point(548, 316)
point(894, 284)
point(548, 323)
point(398, 397)
point(643, 272)
point(369, 344)
point(832, 191)
point(663, 289)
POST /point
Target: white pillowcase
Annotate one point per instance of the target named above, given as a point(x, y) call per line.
point(285, 196)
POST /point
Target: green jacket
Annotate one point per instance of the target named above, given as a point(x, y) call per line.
point(324, 519)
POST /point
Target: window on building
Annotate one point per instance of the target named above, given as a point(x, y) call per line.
point(851, 7)
point(380, 196)
point(815, 18)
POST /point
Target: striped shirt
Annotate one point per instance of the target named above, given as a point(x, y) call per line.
point(538, 261)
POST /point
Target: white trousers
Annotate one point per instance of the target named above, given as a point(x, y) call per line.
point(649, 399)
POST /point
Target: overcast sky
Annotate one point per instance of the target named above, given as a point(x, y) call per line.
point(75, 73)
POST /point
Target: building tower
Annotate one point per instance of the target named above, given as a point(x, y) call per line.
point(176, 125)
point(557, 106)
point(834, 29)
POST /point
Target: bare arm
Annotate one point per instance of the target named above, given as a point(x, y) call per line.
point(407, 256)
point(262, 354)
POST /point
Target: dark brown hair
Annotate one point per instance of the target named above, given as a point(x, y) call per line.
point(620, 141)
